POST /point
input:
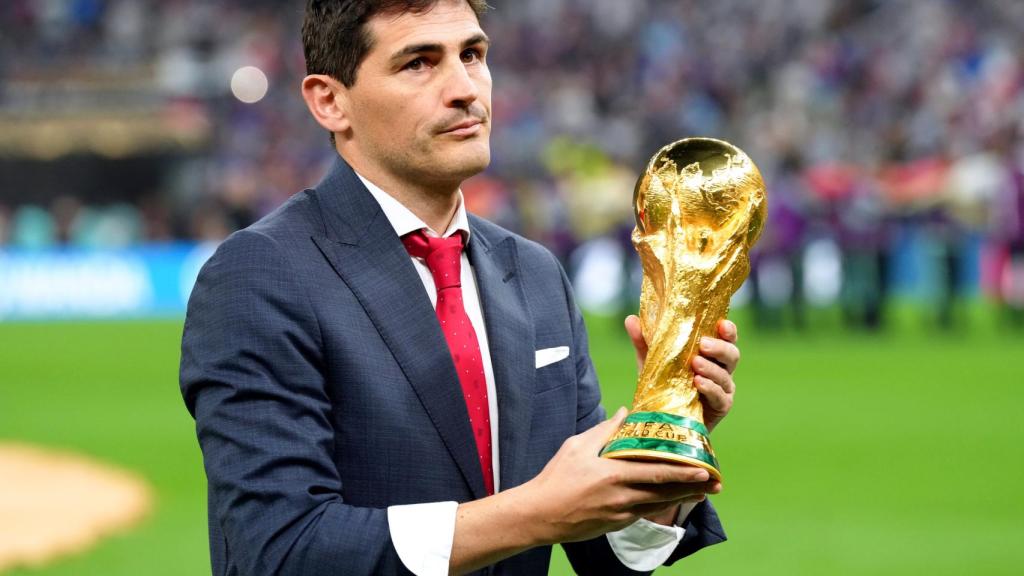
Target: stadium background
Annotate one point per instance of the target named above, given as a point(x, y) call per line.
point(877, 427)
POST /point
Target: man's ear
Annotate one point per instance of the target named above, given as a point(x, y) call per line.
point(327, 100)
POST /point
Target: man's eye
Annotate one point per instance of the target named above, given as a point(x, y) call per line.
point(415, 65)
point(470, 56)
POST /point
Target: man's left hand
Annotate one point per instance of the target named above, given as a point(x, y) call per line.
point(713, 372)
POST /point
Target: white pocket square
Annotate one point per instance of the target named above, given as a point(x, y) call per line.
point(551, 355)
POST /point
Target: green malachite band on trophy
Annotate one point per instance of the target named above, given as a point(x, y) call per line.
point(665, 418)
point(669, 446)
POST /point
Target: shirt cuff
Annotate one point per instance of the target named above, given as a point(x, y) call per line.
point(684, 512)
point(422, 535)
point(645, 545)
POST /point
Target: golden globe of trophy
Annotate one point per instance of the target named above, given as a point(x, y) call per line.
point(699, 207)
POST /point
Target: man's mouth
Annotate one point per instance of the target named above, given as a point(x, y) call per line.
point(465, 128)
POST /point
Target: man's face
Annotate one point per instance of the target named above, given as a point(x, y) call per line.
point(421, 104)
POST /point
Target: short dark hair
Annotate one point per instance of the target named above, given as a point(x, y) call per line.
point(334, 36)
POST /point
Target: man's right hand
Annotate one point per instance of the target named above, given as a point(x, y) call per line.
point(580, 495)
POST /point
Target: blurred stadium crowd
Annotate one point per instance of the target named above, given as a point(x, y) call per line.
point(891, 133)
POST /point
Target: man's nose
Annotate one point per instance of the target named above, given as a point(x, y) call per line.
point(460, 89)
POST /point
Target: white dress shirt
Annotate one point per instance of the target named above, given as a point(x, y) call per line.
point(423, 533)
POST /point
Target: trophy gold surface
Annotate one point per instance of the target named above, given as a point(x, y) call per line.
point(699, 207)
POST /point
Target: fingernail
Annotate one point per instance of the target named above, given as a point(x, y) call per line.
point(705, 343)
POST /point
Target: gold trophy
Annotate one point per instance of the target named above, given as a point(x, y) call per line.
point(699, 207)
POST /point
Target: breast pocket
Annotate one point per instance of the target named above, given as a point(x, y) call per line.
point(554, 368)
point(548, 356)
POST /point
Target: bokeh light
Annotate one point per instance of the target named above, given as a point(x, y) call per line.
point(249, 84)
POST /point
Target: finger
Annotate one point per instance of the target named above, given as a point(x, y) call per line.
point(717, 374)
point(654, 493)
point(647, 510)
point(728, 331)
point(713, 395)
point(722, 352)
point(598, 436)
point(633, 472)
point(636, 335)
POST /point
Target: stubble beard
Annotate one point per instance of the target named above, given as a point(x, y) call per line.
point(440, 166)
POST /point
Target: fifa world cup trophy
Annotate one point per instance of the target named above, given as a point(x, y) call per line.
point(699, 206)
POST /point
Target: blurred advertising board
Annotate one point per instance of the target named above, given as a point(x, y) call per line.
point(83, 283)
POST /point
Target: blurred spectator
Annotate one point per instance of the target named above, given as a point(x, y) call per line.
point(155, 218)
point(1010, 234)
point(5, 224)
point(32, 227)
point(65, 211)
point(777, 276)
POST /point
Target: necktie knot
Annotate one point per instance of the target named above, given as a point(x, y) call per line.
point(443, 256)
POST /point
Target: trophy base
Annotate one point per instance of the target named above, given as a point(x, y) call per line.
point(662, 437)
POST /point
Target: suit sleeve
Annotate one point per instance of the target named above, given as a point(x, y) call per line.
point(595, 557)
point(252, 377)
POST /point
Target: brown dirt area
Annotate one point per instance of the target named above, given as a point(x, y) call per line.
point(54, 503)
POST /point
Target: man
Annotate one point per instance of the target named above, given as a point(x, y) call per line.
point(370, 397)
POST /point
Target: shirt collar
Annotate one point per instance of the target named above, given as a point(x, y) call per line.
point(404, 221)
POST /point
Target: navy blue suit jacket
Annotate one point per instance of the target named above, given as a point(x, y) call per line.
point(323, 390)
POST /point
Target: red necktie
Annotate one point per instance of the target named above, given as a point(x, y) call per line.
point(444, 259)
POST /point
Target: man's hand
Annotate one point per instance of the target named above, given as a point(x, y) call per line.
point(577, 496)
point(713, 368)
point(580, 495)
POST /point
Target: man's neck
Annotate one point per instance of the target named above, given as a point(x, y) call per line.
point(436, 209)
point(434, 204)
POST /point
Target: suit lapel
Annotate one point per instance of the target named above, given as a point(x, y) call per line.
point(511, 340)
point(364, 250)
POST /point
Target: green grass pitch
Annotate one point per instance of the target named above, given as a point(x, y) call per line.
point(894, 453)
